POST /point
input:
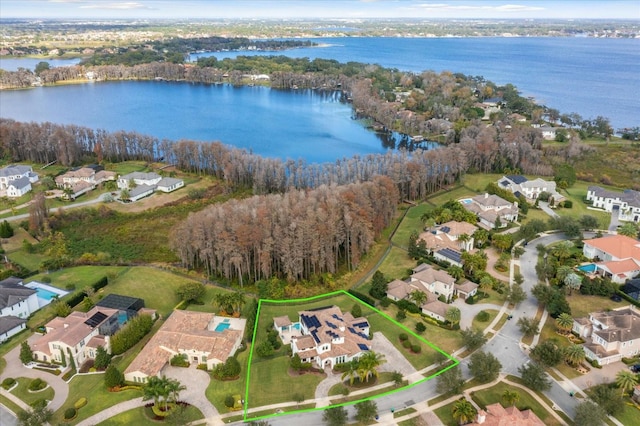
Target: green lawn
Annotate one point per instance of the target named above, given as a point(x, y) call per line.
point(397, 264)
point(217, 391)
point(31, 261)
point(481, 325)
point(98, 398)
point(582, 305)
point(22, 391)
point(410, 223)
point(455, 194)
point(479, 181)
point(444, 414)
point(137, 416)
point(494, 394)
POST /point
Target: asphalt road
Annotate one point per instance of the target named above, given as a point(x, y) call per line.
point(6, 417)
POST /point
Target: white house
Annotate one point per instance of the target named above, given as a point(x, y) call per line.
point(625, 204)
point(140, 191)
point(328, 336)
point(433, 283)
point(615, 256)
point(138, 178)
point(18, 187)
point(11, 325)
point(490, 208)
point(169, 184)
point(83, 180)
point(17, 300)
point(611, 335)
point(203, 338)
point(14, 172)
point(530, 189)
point(77, 335)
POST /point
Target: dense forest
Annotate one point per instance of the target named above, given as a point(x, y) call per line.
point(292, 236)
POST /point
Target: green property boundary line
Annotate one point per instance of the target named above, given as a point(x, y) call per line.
point(327, 296)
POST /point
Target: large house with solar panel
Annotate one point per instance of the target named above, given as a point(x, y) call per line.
point(445, 241)
point(327, 336)
point(78, 336)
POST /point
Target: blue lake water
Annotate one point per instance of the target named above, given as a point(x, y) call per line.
point(587, 76)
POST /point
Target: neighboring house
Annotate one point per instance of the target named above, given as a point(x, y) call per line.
point(77, 335)
point(632, 289)
point(327, 336)
point(10, 325)
point(18, 187)
point(16, 299)
point(138, 178)
point(497, 415)
point(82, 180)
point(610, 335)
point(433, 283)
point(530, 189)
point(490, 208)
point(203, 338)
point(625, 204)
point(548, 133)
point(444, 241)
point(15, 172)
point(616, 256)
point(169, 184)
point(144, 184)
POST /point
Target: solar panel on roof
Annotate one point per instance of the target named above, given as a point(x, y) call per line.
point(363, 324)
point(314, 334)
point(95, 319)
point(332, 325)
point(445, 229)
point(363, 346)
point(450, 254)
point(353, 330)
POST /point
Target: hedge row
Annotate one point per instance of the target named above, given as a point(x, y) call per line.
point(79, 296)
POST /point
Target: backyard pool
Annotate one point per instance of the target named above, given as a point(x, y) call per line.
point(589, 268)
point(45, 292)
point(466, 201)
point(222, 327)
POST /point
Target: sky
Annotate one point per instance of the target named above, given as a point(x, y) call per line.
point(345, 9)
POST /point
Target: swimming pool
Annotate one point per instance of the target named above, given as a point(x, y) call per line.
point(46, 294)
point(222, 327)
point(296, 326)
point(589, 267)
point(466, 201)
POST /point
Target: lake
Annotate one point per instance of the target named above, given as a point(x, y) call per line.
point(301, 124)
point(587, 76)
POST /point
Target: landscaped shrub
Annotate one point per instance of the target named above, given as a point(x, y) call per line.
point(416, 349)
point(132, 332)
point(46, 279)
point(420, 327)
point(406, 344)
point(401, 315)
point(229, 401)
point(37, 384)
point(70, 413)
point(366, 299)
point(80, 403)
point(403, 337)
point(8, 382)
point(483, 316)
point(179, 360)
point(385, 302)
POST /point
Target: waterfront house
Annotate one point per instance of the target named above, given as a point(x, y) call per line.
point(610, 335)
point(530, 189)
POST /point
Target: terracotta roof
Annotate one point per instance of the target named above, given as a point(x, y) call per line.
point(497, 415)
point(431, 275)
point(621, 266)
point(466, 287)
point(436, 306)
point(304, 342)
point(618, 246)
point(282, 321)
point(398, 289)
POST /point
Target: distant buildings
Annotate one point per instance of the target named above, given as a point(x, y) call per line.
point(530, 189)
point(625, 204)
point(448, 240)
point(17, 302)
point(83, 180)
point(140, 185)
point(611, 335)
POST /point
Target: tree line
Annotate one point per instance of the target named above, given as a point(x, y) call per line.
point(292, 236)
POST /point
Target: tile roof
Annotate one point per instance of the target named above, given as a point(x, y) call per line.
point(431, 275)
point(621, 266)
point(497, 415)
point(282, 321)
point(622, 325)
point(466, 287)
point(436, 306)
point(629, 196)
point(618, 246)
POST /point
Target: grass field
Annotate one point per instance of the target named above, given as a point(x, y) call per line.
point(137, 416)
point(397, 264)
point(481, 325)
point(410, 223)
point(444, 413)
point(22, 391)
point(217, 390)
point(494, 394)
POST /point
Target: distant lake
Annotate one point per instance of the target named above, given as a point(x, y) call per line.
point(301, 124)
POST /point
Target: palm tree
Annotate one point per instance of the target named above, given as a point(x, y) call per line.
point(486, 282)
point(238, 301)
point(351, 372)
point(574, 355)
point(480, 236)
point(452, 315)
point(562, 251)
point(626, 380)
point(156, 389)
point(563, 271)
point(174, 387)
point(510, 397)
point(573, 281)
point(224, 301)
point(564, 322)
point(464, 239)
point(418, 297)
point(455, 271)
point(629, 229)
point(463, 411)
point(368, 365)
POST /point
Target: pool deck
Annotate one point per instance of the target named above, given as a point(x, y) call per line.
point(38, 285)
point(234, 323)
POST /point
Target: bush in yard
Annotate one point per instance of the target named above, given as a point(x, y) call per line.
point(403, 337)
point(70, 413)
point(37, 384)
point(229, 401)
point(80, 403)
point(26, 354)
point(179, 360)
point(406, 344)
point(6, 231)
point(416, 349)
point(401, 315)
point(483, 316)
point(131, 333)
point(8, 382)
point(420, 327)
point(113, 378)
point(103, 358)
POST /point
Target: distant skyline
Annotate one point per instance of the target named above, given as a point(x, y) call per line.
point(338, 9)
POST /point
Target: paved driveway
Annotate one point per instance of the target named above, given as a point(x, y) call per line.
point(395, 360)
point(469, 312)
point(196, 382)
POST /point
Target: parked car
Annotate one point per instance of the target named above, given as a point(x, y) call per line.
point(635, 368)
